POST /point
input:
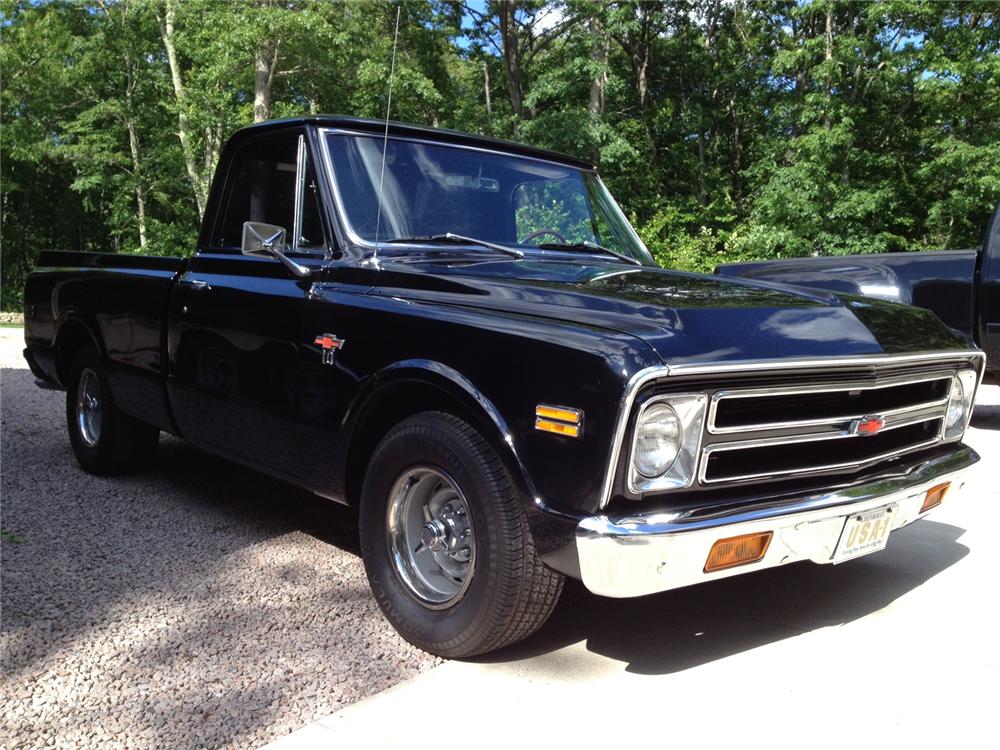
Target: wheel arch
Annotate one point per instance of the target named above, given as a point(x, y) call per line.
point(414, 386)
point(72, 333)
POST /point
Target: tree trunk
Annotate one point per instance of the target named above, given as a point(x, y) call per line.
point(599, 53)
point(827, 79)
point(737, 157)
point(702, 190)
point(486, 87)
point(265, 65)
point(198, 184)
point(640, 69)
point(133, 144)
point(506, 10)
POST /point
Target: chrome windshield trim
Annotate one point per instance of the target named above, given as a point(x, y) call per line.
point(720, 396)
point(355, 238)
point(362, 244)
point(656, 372)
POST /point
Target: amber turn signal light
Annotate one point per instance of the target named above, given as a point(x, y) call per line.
point(738, 550)
point(546, 425)
point(934, 496)
point(562, 420)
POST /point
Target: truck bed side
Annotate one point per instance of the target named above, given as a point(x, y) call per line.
point(116, 303)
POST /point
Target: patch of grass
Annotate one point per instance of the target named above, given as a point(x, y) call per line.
point(10, 536)
point(11, 325)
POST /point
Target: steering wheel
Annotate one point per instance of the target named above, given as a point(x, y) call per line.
point(541, 232)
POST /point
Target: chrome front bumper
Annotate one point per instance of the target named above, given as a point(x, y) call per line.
point(643, 554)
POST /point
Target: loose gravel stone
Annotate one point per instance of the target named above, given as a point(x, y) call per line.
point(198, 605)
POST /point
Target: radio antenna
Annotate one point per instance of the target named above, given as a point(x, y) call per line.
point(385, 136)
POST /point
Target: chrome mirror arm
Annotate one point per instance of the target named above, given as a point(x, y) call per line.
point(271, 246)
point(296, 268)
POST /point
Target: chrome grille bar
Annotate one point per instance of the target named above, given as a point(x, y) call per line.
point(721, 396)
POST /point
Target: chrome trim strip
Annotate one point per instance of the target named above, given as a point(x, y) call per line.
point(720, 396)
point(832, 421)
point(793, 364)
point(793, 439)
point(648, 374)
point(300, 179)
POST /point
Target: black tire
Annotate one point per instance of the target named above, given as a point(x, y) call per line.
point(120, 444)
point(510, 592)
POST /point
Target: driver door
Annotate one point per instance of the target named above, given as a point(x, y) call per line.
point(235, 340)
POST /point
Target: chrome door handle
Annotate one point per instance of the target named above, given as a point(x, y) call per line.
point(195, 285)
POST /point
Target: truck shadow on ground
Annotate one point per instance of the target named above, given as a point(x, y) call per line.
point(681, 629)
point(254, 497)
point(986, 417)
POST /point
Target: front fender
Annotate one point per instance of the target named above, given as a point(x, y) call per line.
point(485, 415)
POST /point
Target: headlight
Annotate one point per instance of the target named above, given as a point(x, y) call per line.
point(658, 437)
point(963, 391)
point(665, 443)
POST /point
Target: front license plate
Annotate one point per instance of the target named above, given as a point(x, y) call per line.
point(865, 533)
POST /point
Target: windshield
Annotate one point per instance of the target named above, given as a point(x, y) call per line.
point(434, 189)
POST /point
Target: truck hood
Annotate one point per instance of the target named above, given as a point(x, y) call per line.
point(683, 317)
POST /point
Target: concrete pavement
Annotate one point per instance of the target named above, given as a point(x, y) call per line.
point(897, 648)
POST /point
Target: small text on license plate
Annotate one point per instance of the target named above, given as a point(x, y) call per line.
point(865, 533)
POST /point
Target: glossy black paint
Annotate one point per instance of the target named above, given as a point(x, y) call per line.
point(987, 309)
point(221, 348)
point(962, 287)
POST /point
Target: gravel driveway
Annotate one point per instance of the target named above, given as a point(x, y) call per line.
point(201, 605)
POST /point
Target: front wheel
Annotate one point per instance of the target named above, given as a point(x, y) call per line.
point(445, 542)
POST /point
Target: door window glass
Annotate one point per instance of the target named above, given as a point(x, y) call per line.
point(262, 189)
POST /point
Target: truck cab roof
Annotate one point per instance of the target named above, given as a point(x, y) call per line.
point(409, 130)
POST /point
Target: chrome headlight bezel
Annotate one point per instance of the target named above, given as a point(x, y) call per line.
point(963, 392)
point(690, 409)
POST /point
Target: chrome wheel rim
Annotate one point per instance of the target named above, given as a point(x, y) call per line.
point(432, 540)
point(88, 407)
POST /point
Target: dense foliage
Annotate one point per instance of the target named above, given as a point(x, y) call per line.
point(726, 129)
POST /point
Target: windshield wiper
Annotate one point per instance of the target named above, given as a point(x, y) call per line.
point(460, 239)
point(588, 246)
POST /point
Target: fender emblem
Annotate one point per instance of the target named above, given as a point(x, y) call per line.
point(329, 344)
point(867, 426)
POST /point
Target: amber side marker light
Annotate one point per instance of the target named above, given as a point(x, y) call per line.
point(934, 496)
point(738, 550)
point(562, 420)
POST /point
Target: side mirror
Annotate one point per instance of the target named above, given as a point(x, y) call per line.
point(262, 239)
point(268, 240)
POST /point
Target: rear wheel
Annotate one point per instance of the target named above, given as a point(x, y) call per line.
point(446, 544)
point(105, 440)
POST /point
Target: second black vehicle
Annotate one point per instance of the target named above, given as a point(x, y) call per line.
point(961, 286)
point(465, 340)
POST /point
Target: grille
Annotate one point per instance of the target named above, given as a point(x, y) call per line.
point(759, 433)
point(734, 413)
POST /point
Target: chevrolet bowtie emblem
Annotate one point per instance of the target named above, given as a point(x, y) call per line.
point(329, 345)
point(867, 426)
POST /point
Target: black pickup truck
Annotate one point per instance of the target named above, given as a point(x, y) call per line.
point(465, 340)
point(961, 286)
